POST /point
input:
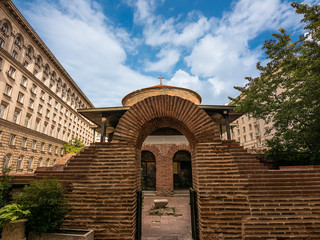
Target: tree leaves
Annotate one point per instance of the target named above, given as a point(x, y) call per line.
point(287, 91)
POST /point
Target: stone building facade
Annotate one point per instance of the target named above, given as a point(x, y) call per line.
point(38, 99)
point(251, 133)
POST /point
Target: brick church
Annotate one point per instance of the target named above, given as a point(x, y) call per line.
point(162, 139)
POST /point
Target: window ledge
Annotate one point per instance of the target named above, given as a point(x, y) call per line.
point(7, 96)
point(11, 78)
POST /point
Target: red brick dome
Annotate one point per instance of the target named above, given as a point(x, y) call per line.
point(141, 94)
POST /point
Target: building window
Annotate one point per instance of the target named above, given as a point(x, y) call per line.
point(48, 113)
point(42, 147)
point(3, 110)
point(30, 163)
point(40, 108)
point(20, 97)
point(23, 81)
point(39, 162)
point(27, 121)
point(47, 162)
point(54, 118)
point(16, 116)
point(46, 68)
point(31, 103)
point(251, 136)
point(24, 142)
point(49, 100)
point(34, 145)
point(25, 64)
point(12, 139)
point(35, 73)
point(51, 84)
point(8, 90)
point(244, 129)
point(11, 72)
point(19, 163)
point(250, 127)
point(56, 150)
point(45, 127)
point(33, 88)
point(4, 27)
point(17, 41)
point(29, 52)
point(37, 124)
point(1, 43)
point(61, 151)
point(50, 148)
point(38, 61)
point(6, 161)
point(42, 93)
point(51, 131)
point(56, 105)
point(244, 138)
point(14, 54)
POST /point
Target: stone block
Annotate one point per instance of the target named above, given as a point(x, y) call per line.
point(160, 203)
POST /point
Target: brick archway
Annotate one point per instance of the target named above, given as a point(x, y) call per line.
point(162, 111)
point(165, 111)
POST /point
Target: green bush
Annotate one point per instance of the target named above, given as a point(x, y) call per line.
point(47, 203)
point(5, 187)
point(11, 213)
point(73, 146)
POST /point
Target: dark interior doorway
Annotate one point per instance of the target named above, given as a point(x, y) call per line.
point(148, 170)
point(182, 173)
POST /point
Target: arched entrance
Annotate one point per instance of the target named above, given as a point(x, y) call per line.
point(148, 171)
point(182, 173)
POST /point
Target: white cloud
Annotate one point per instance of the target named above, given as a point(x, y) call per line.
point(168, 58)
point(85, 42)
point(184, 79)
point(216, 52)
point(223, 57)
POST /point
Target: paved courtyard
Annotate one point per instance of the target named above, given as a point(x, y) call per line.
point(167, 227)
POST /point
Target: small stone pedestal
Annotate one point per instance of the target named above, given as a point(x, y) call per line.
point(160, 203)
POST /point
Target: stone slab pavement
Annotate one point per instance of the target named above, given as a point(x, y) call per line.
point(167, 227)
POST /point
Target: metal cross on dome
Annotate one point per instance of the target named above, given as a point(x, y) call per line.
point(160, 79)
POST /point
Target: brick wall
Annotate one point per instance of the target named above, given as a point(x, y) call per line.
point(164, 161)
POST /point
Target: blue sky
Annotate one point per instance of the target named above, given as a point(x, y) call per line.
point(111, 48)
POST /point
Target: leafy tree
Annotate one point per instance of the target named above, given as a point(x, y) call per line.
point(5, 186)
point(46, 201)
point(73, 146)
point(287, 91)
